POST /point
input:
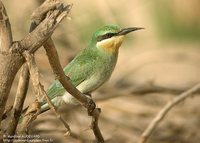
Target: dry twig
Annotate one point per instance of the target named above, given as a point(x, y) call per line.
point(19, 100)
point(54, 109)
point(39, 89)
point(6, 74)
point(27, 118)
point(6, 111)
point(163, 112)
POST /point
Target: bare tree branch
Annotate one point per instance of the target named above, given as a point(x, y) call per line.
point(33, 110)
point(19, 100)
point(42, 10)
point(94, 125)
point(5, 30)
point(12, 60)
point(6, 111)
point(24, 78)
point(39, 35)
point(64, 80)
point(163, 112)
point(27, 118)
point(39, 94)
point(6, 73)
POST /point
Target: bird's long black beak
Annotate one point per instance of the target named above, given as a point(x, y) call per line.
point(125, 31)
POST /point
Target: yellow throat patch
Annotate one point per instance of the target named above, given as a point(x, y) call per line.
point(112, 44)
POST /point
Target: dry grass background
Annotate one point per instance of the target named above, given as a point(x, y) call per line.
point(146, 58)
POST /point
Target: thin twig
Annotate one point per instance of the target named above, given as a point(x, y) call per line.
point(5, 30)
point(163, 112)
point(5, 43)
point(27, 118)
point(94, 125)
point(19, 100)
point(34, 109)
point(39, 89)
point(54, 109)
point(6, 111)
point(34, 76)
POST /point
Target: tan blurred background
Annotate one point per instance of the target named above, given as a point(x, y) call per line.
point(154, 65)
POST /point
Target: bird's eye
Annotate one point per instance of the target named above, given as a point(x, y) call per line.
point(106, 36)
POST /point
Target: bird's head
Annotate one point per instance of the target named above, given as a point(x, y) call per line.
point(110, 37)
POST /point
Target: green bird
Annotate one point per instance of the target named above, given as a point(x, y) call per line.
point(92, 67)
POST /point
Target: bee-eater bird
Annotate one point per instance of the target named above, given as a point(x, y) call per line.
point(92, 67)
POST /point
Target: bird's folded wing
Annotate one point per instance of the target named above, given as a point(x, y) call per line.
point(78, 70)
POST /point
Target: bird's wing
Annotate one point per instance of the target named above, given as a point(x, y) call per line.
point(55, 89)
point(78, 70)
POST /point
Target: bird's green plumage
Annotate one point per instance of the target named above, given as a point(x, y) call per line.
point(92, 66)
point(104, 30)
point(82, 67)
point(88, 62)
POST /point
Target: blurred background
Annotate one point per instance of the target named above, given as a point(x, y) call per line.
point(154, 66)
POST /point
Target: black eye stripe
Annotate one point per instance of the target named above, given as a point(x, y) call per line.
point(106, 36)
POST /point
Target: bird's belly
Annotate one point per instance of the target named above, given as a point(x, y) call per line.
point(86, 86)
point(90, 84)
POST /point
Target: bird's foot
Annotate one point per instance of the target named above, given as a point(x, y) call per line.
point(90, 104)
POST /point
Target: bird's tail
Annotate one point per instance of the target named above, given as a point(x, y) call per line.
point(43, 109)
point(57, 101)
